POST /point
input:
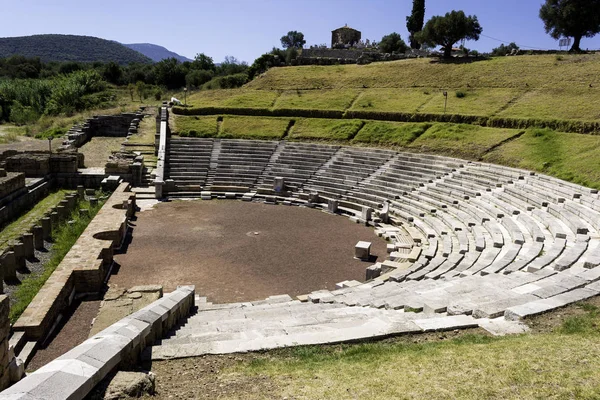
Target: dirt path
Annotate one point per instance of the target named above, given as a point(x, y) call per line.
point(73, 331)
point(236, 251)
point(97, 150)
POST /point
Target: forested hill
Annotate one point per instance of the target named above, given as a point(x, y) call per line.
point(155, 52)
point(69, 48)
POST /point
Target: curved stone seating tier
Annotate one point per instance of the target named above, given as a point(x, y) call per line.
point(465, 237)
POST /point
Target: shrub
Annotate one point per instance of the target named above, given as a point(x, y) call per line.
point(460, 94)
point(22, 115)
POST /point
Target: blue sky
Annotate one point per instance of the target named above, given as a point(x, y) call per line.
point(247, 28)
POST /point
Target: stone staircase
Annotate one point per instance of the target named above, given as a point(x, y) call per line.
point(188, 165)
point(280, 321)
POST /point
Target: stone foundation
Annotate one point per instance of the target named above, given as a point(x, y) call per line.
point(102, 125)
point(5, 357)
point(42, 164)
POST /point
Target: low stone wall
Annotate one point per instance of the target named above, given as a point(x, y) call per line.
point(103, 125)
point(23, 199)
point(5, 357)
point(10, 182)
point(351, 54)
point(76, 373)
point(39, 164)
point(127, 165)
point(90, 180)
point(84, 268)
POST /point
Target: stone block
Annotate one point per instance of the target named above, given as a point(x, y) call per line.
point(446, 323)
point(362, 250)
point(47, 227)
point(80, 191)
point(366, 214)
point(278, 184)
point(63, 213)
point(54, 218)
point(93, 202)
point(38, 237)
point(9, 266)
point(19, 250)
point(71, 200)
point(332, 206)
point(28, 248)
point(313, 197)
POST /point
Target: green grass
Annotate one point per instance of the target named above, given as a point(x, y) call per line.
point(567, 156)
point(523, 72)
point(325, 129)
point(316, 99)
point(480, 102)
point(461, 140)
point(52, 133)
point(393, 100)
point(195, 126)
point(240, 98)
point(234, 127)
point(563, 103)
point(64, 237)
point(15, 229)
point(563, 363)
point(390, 133)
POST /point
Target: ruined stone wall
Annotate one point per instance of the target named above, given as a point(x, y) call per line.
point(350, 54)
point(10, 182)
point(23, 199)
point(5, 357)
point(102, 125)
point(41, 164)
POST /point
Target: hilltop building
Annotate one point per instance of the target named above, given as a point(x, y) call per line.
point(344, 37)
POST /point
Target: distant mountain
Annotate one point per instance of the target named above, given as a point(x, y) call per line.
point(70, 48)
point(155, 52)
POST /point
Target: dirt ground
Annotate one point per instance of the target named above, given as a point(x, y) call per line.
point(237, 251)
point(73, 331)
point(29, 144)
point(97, 150)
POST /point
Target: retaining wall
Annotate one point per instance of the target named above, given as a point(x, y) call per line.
point(84, 268)
point(76, 373)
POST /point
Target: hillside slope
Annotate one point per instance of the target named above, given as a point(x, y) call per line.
point(155, 52)
point(69, 48)
point(523, 72)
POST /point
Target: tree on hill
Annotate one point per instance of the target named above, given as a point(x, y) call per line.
point(293, 39)
point(392, 42)
point(503, 50)
point(414, 22)
point(449, 29)
point(571, 18)
point(202, 61)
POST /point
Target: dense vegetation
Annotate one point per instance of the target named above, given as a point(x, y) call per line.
point(69, 48)
point(23, 101)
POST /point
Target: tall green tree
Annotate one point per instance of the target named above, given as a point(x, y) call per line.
point(414, 22)
point(571, 18)
point(392, 42)
point(293, 39)
point(202, 61)
point(449, 29)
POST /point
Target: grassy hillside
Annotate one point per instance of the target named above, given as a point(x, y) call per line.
point(69, 48)
point(545, 91)
point(523, 72)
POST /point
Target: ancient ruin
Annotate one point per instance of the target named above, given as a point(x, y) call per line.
point(469, 244)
